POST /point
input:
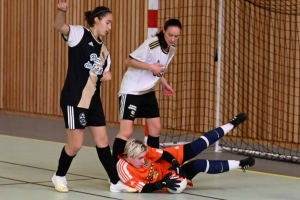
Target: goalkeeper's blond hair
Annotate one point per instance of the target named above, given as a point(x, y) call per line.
point(134, 147)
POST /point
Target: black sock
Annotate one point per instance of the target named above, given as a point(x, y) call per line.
point(118, 148)
point(64, 163)
point(153, 141)
point(107, 161)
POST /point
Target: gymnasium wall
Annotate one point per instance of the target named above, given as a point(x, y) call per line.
point(260, 72)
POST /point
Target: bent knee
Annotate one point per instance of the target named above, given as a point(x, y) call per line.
point(155, 130)
point(125, 135)
point(126, 129)
point(72, 149)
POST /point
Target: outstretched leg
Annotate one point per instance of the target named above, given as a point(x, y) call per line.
point(196, 147)
point(215, 166)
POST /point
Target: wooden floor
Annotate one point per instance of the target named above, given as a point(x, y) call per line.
point(30, 148)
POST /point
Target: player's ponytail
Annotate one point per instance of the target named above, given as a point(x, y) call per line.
point(87, 15)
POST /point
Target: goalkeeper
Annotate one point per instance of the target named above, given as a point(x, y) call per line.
point(148, 169)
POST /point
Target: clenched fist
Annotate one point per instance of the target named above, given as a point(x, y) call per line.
point(62, 6)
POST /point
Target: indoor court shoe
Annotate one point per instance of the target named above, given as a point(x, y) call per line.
point(240, 118)
point(246, 163)
point(121, 187)
point(60, 183)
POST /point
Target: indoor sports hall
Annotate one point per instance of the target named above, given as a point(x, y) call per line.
point(232, 56)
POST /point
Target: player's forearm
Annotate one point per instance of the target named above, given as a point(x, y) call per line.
point(163, 82)
point(137, 64)
point(150, 187)
point(167, 157)
point(60, 20)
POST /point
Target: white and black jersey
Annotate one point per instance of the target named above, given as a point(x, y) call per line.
point(82, 84)
point(139, 81)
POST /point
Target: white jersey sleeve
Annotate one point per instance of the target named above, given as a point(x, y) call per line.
point(143, 53)
point(75, 35)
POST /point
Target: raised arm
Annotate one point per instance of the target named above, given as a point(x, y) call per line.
point(60, 20)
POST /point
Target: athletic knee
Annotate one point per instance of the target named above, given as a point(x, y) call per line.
point(155, 134)
point(154, 130)
point(124, 134)
point(101, 141)
point(72, 149)
point(126, 129)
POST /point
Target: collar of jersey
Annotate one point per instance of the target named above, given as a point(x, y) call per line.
point(100, 42)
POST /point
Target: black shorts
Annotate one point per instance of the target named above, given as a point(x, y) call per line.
point(138, 106)
point(79, 118)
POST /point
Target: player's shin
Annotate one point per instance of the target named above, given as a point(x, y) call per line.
point(106, 159)
point(206, 140)
point(153, 141)
point(118, 148)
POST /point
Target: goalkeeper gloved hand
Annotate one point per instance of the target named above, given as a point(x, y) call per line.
point(168, 182)
point(177, 168)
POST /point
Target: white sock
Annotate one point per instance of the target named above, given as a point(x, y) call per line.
point(233, 164)
point(227, 127)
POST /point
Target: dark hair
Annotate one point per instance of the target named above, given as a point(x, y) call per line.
point(99, 12)
point(160, 35)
